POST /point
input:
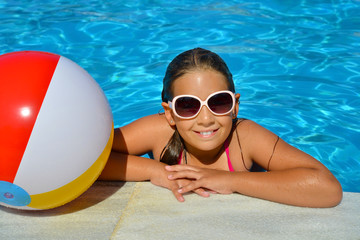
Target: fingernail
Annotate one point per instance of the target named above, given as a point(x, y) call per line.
point(167, 167)
point(180, 190)
point(170, 176)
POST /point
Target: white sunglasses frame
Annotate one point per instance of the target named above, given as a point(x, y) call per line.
point(203, 103)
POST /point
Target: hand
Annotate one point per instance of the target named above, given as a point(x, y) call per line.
point(215, 180)
point(161, 179)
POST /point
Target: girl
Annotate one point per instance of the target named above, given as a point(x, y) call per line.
point(200, 145)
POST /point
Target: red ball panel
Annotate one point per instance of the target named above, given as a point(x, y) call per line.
point(25, 78)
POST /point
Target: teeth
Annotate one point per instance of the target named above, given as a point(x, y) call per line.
point(206, 133)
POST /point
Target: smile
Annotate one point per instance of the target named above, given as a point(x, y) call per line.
point(207, 133)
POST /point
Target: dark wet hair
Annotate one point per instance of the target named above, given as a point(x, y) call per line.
point(194, 59)
point(190, 60)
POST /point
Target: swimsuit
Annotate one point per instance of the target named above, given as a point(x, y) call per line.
point(226, 146)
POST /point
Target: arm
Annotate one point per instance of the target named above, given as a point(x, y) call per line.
point(129, 142)
point(135, 139)
point(294, 177)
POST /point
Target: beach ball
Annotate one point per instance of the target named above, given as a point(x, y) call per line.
point(56, 130)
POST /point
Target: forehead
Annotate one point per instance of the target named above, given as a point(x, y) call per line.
point(200, 83)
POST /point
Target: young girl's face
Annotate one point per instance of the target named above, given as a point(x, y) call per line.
point(206, 131)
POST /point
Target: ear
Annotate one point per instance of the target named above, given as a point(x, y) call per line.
point(236, 108)
point(168, 114)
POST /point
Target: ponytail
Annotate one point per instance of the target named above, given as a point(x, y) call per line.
point(171, 152)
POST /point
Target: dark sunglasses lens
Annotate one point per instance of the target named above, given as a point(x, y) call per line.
point(187, 106)
point(221, 103)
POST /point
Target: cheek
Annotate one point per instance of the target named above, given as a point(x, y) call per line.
point(183, 126)
point(185, 130)
point(227, 124)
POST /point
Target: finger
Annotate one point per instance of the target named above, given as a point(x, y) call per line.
point(184, 174)
point(213, 192)
point(202, 192)
point(190, 187)
point(174, 188)
point(178, 195)
point(175, 168)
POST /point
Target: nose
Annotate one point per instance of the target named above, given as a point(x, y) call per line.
point(205, 117)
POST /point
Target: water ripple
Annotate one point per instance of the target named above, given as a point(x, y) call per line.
point(295, 63)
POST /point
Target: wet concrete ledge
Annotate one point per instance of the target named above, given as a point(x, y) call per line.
point(118, 210)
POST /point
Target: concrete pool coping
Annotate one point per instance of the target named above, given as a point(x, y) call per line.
point(118, 210)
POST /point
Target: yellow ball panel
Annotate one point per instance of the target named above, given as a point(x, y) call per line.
point(75, 188)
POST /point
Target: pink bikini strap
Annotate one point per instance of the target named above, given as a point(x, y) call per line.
point(226, 146)
point(180, 157)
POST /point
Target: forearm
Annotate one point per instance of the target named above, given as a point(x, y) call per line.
point(299, 187)
point(124, 167)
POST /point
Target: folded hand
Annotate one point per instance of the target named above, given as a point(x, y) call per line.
point(200, 178)
point(161, 179)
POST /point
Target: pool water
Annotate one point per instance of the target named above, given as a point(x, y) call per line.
point(295, 63)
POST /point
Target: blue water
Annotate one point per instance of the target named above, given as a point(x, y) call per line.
point(295, 63)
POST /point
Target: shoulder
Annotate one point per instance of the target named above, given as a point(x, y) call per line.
point(143, 134)
point(157, 119)
point(252, 130)
point(151, 123)
point(257, 142)
point(263, 146)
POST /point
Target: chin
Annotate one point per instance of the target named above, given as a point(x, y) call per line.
point(208, 146)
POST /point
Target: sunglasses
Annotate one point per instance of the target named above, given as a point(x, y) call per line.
point(189, 106)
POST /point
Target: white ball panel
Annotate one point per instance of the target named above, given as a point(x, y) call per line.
point(70, 133)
